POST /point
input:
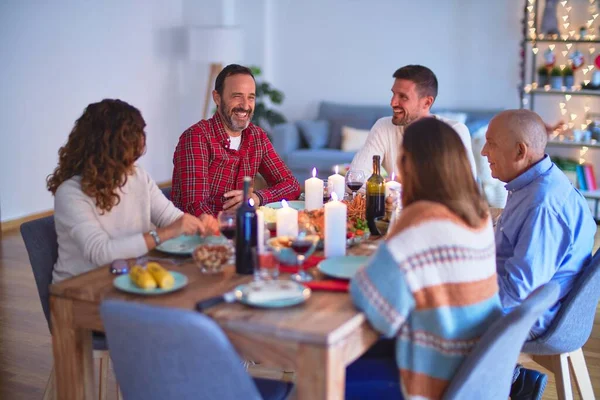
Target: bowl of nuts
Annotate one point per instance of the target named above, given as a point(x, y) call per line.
point(212, 256)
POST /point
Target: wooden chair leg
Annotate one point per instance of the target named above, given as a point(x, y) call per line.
point(50, 391)
point(102, 356)
point(582, 376)
point(560, 367)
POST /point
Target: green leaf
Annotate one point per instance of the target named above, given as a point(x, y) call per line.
point(256, 71)
point(276, 96)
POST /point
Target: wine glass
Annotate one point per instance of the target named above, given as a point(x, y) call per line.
point(302, 244)
point(227, 226)
point(355, 179)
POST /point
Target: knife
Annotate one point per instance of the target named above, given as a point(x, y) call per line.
point(228, 297)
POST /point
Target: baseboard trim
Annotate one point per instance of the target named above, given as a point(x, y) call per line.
point(13, 224)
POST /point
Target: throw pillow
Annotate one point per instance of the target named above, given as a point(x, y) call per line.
point(353, 139)
point(353, 121)
point(314, 133)
point(493, 188)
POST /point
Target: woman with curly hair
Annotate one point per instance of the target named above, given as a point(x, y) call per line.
point(105, 204)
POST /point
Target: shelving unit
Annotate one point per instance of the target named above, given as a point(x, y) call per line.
point(528, 88)
point(570, 143)
point(574, 103)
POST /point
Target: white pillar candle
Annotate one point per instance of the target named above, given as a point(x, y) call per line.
point(336, 184)
point(260, 231)
point(391, 184)
point(313, 189)
point(287, 220)
point(335, 227)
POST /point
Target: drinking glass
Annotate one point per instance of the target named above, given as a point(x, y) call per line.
point(326, 194)
point(302, 244)
point(227, 226)
point(355, 179)
point(267, 268)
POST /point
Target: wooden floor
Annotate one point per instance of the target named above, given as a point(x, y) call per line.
point(25, 348)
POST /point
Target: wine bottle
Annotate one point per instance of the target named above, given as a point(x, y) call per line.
point(375, 196)
point(246, 232)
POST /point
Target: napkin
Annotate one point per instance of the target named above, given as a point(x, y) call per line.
point(310, 262)
point(330, 285)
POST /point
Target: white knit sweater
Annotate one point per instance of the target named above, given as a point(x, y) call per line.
point(88, 239)
point(385, 139)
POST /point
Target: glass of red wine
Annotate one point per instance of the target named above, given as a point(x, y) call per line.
point(226, 221)
point(355, 179)
point(302, 244)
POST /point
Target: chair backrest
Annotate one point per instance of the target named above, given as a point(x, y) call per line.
point(161, 353)
point(167, 192)
point(573, 323)
point(42, 246)
point(488, 370)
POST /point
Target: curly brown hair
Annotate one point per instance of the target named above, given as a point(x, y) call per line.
point(102, 148)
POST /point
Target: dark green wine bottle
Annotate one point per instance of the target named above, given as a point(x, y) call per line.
point(375, 196)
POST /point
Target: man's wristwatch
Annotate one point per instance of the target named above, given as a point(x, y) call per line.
point(155, 237)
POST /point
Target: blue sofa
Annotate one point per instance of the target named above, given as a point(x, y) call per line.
point(317, 143)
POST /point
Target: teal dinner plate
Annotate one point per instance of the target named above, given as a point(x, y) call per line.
point(343, 267)
point(185, 245)
point(292, 293)
point(123, 282)
point(295, 204)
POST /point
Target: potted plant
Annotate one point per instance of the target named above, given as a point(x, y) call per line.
point(266, 95)
point(556, 78)
point(568, 78)
point(542, 76)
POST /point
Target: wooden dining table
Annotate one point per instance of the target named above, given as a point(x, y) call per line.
point(316, 339)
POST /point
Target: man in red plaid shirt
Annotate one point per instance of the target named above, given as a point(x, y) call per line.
point(213, 156)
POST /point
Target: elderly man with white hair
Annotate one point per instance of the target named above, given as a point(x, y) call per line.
point(546, 231)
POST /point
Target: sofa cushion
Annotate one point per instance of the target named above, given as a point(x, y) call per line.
point(314, 133)
point(352, 121)
point(301, 162)
point(453, 116)
point(353, 139)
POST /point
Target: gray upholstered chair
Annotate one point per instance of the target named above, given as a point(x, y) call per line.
point(167, 192)
point(488, 370)
point(161, 353)
point(571, 328)
point(42, 247)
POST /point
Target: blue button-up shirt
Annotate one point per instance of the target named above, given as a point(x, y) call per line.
point(546, 233)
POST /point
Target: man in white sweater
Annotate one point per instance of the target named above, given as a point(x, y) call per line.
point(413, 93)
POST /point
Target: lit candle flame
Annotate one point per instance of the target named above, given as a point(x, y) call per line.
point(334, 196)
point(251, 202)
point(314, 172)
point(336, 169)
point(284, 204)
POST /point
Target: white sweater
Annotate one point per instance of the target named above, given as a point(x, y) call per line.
point(88, 239)
point(385, 139)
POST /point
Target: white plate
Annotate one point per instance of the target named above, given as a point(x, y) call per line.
point(276, 294)
point(343, 267)
point(185, 245)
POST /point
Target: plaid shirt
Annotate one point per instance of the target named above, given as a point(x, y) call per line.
point(205, 168)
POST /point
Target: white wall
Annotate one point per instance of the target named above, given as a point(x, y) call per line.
point(59, 56)
point(347, 50)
